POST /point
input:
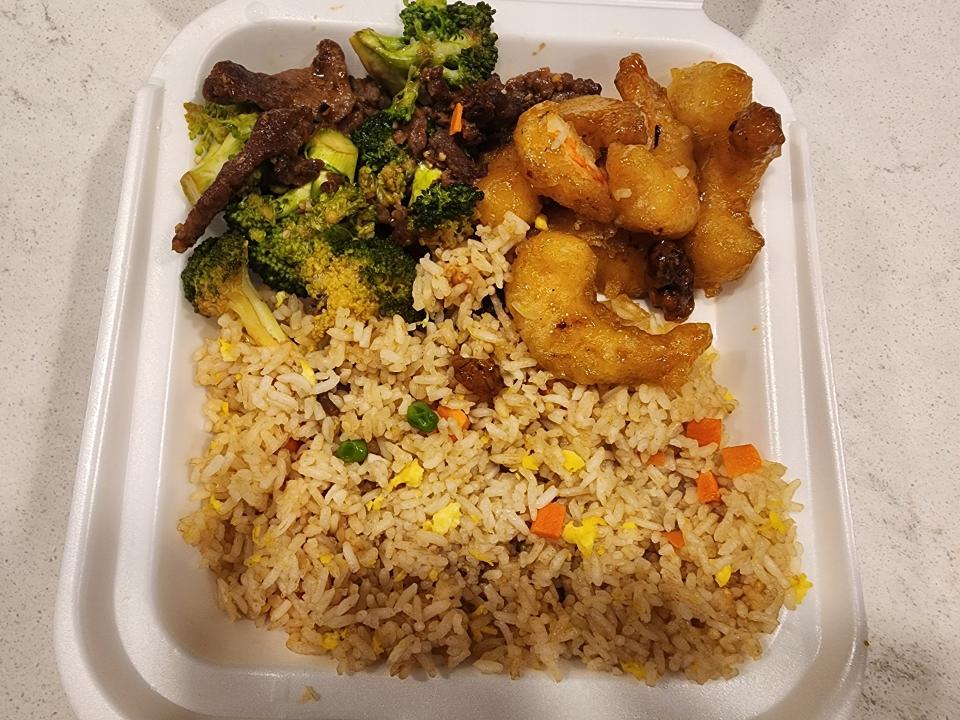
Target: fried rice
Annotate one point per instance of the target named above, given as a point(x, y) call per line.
point(421, 557)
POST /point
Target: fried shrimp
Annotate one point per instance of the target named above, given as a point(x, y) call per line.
point(601, 120)
point(552, 296)
point(707, 97)
point(725, 241)
point(654, 188)
point(644, 187)
point(505, 189)
point(559, 164)
point(621, 258)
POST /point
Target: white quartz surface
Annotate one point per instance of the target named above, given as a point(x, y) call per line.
point(875, 82)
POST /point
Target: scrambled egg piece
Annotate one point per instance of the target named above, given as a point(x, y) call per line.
point(279, 299)
point(629, 525)
point(572, 462)
point(330, 640)
point(800, 584)
point(531, 462)
point(224, 408)
point(307, 372)
point(635, 669)
point(227, 351)
point(215, 504)
point(540, 222)
point(481, 556)
point(411, 476)
point(776, 523)
point(444, 519)
point(584, 535)
point(723, 575)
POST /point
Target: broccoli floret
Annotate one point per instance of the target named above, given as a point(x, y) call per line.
point(219, 133)
point(442, 214)
point(457, 37)
point(440, 204)
point(369, 277)
point(216, 280)
point(374, 141)
point(279, 248)
point(423, 177)
point(389, 272)
point(387, 188)
point(404, 102)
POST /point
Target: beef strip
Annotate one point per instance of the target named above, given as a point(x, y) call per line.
point(414, 133)
point(370, 99)
point(294, 169)
point(479, 376)
point(276, 132)
point(670, 277)
point(324, 87)
point(446, 154)
point(434, 90)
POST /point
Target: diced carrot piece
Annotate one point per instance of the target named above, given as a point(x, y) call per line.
point(707, 489)
point(292, 445)
point(658, 459)
point(741, 459)
point(706, 431)
point(549, 522)
point(675, 538)
point(456, 119)
point(458, 416)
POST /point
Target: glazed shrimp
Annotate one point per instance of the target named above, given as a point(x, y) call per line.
point(552, 296)
point(673, 142)
point(621, 257)
point(725, 242)
point(707, 97)
point(602, 121)
point(559, 164)
point(505, 189)
point(654, 188)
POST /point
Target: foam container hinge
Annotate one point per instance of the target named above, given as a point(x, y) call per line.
point(138, 634)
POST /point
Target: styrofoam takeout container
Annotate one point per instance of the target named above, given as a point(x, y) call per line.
point(138, 633)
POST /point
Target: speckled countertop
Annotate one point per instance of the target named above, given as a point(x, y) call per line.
point(877, 85)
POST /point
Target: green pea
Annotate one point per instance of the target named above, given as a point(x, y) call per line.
point(422, 417)
point(352, 451)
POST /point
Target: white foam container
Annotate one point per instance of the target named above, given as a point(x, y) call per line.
point(138, 633)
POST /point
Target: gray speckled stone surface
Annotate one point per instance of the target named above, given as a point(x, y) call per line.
point(875, 83)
